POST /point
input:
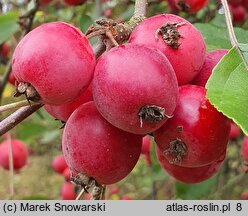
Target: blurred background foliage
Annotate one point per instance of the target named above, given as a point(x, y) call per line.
point(42, 133)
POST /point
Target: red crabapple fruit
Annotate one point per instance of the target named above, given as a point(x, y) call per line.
point(245, 149)
point(234, 132)
point(11, 79)
point(238, 13)
point(235, 2)
point(146, 149)
point(93, 147)
point(58, 164)
point(135, 88)
point(172, 5)
point(67, 191)
point(191, 6)
point(244, 195)
point(67, 174)
point(74, 2)
point(190, 175)
point(185, 48)
point(126, 198)
point(211, 60)
point(197, 134)
point(54, 60)
point(19, 152)
point(63, 112)
point(4, 50)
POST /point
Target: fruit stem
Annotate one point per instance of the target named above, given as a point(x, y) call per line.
point(80, 194)
point(16, 105)
point(17, 117)
point(140, 8)
point(232, 35)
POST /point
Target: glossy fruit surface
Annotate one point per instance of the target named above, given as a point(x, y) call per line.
point(128, 82)
point(190, 175)
point(245, 148)
point(211, 60)
point(19, 152)
point(235, 131)
point(63, 112)
point(185, 63)
point(197, 134)
point(67, 191)
point(191, 6)
point(57, 60)
point(59, 164)
point(74, 2)
point(95, 148)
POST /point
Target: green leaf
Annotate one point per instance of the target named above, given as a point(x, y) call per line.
point(216, 34)
point(84, 22)
point(156, 168)
point(195, 191)
point(8, 25)
point(227, 89)
point(244, 50)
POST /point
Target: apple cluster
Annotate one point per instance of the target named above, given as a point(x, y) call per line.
point(153, 84)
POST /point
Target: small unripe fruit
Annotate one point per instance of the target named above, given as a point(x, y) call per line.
point(19, 152)
point(185, 48)
point(135, 88)
point(55, 59)
point(59, 164)
point(93, 147)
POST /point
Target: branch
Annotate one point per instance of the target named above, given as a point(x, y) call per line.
point(99, 49)
point(232, 35)
point(5, 78)
point(140, 8)
point(16, 105)
point(17, 117)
